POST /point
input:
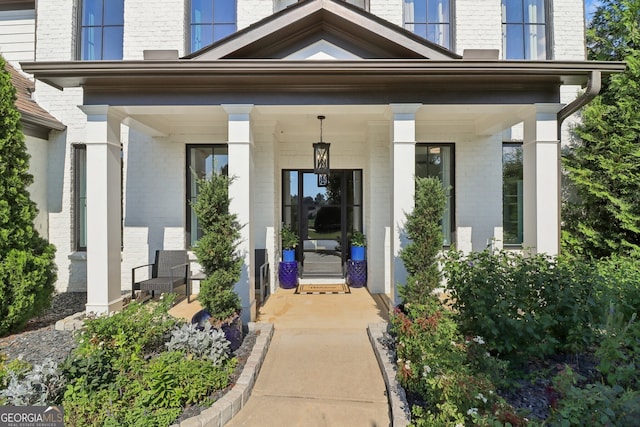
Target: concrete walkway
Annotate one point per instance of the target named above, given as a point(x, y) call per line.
point(320, 369)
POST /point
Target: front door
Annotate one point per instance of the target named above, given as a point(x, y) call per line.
point(323, 216)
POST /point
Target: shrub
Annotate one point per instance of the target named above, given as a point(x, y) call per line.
point(425, 232)
point(217, 249)
point(438, 368)
point(522, 305)
point(621, 277)
point(209, 343)
point(119, 375)
point(42, 385)
point(27, 267)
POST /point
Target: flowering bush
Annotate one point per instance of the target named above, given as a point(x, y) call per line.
point(438, 368)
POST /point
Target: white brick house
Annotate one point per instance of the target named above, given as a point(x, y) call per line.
point(445, 88)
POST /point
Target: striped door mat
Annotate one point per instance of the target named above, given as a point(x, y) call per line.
point(323, 289)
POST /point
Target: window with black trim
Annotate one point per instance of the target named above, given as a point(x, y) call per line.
point(80, 197)
point(438, 161)
point(526, 29)
point(101, 29)
point(512, 194)
point(211, 20)
point(203, 160)
point(430, 19)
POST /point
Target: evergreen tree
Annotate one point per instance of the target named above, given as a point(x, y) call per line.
point(27, 268)
point(424, 229)
point(217, 249)
point(603, 164)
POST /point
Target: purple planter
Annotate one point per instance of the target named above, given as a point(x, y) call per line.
point(356, 273)
point(232, 329)
point(288, 274)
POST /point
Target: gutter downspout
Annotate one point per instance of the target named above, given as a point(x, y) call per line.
point(594, 84)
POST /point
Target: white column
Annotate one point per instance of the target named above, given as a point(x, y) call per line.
point(541, 175)
point(404, 160)
point(240, 193)
point(103, 209)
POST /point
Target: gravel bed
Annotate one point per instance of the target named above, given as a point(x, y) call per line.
point(39, 340)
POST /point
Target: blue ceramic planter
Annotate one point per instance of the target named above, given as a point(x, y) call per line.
point(357, 253)
point(288, 255)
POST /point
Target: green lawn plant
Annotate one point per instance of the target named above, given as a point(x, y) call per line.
point(27, 268)
point(217, 249)
point(358, 238)
point(524, 305)
point(288, 237)
point(122, 374)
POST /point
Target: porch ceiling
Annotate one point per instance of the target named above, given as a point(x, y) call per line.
point(296, 123)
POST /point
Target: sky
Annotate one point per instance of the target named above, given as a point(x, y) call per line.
point(590, 7)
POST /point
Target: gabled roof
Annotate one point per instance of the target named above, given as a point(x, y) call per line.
point(338, 22)
point(36, 121)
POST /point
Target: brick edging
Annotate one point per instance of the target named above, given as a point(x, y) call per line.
point(400, 414)
point(230, 404)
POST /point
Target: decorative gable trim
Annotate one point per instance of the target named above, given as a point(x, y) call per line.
point(349, 27)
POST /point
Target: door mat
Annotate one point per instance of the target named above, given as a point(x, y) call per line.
point(323, 289)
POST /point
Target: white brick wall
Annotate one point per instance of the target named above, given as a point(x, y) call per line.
point(389, 10)
point(38, 150)
point(250, 11)
point(154, 24)
point(478, 25)
point(568, 25)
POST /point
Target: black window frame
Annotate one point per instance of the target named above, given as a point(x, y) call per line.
point(452, 190)
point(451, 23)
point(521, 207)
point(82, 26)
point(212, 24)
point(79, 215)
point(548, 24)
point(189, 176)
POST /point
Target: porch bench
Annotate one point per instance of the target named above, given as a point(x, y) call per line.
point(169, 271)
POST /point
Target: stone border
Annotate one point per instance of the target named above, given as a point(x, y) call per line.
point(400, 414)
point(230, 404)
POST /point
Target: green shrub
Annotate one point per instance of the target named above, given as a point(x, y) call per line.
point(217, 249)
point(119, 374)
point(425, 233)
point(439, 367)
point(524, 305)
point(27, 267)
point(621, 277)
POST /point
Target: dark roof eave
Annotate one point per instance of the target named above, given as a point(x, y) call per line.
point(65, 74)
point(38, 121)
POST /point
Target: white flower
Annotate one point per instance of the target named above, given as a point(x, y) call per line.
point(472, 411)
point(426, 370)
point(459, 425)
point(478, 340)
point(480, 396)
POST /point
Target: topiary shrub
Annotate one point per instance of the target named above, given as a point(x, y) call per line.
point(27, 268)
point(217, 249)
point(425, 231)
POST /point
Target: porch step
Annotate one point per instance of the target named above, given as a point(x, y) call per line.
point(322, 281)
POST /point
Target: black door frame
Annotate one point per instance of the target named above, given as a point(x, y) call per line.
point(344, 205)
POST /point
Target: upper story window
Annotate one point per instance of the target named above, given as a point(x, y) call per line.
point(211, 20)
point(430, 19)
point(101, 29)
point(525, 29)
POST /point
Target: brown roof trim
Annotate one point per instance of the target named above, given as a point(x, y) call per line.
point(18, 5)
point(187, 73)
point(36, 120)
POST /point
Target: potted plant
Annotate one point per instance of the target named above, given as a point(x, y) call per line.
point(289, 242)
point(217, 253)
point(358, 243)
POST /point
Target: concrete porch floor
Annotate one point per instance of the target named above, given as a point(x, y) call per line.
point(320, 369)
